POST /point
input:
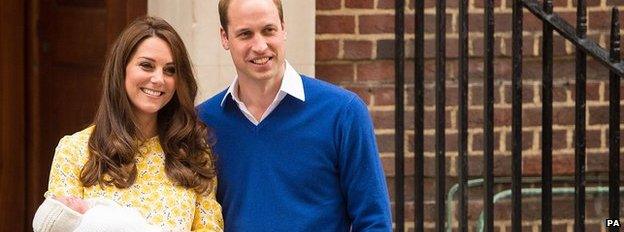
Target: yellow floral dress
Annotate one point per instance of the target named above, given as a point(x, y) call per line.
point(159, 200)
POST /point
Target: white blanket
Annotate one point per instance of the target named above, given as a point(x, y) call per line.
point(102, 216)
point(108, 216)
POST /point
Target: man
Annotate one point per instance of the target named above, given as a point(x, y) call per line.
point(293, 153)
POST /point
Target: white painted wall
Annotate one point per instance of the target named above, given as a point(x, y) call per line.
point(197, 22)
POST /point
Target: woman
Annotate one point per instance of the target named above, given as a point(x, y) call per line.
point(146, 148)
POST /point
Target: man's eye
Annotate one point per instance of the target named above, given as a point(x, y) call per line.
point(244, 35)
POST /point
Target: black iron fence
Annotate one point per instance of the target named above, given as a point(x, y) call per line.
point(551, 22)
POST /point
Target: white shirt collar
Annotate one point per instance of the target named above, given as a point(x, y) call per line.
point(291, 85)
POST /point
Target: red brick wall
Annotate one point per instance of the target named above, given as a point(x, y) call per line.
point(355, 48)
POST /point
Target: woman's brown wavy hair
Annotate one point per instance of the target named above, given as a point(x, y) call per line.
point(116, 137)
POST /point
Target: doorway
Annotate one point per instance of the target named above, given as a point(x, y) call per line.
point(63, 45)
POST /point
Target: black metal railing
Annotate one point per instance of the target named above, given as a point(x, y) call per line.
point(399, 114)
point(551, 22)
point(614, 123)
point(547, 84)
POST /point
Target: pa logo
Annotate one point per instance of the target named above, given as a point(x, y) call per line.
point(612, 222)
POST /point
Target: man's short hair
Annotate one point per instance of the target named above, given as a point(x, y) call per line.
point(223, 9)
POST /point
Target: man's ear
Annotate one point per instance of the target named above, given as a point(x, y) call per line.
point(225, 43)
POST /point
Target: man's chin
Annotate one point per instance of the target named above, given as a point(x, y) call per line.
point(263, 76)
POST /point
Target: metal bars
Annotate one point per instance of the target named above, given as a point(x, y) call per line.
point(547, 84)
point(419, 114)
point(399, 132)
point(551, 22)
point(462, 116)
point(488, 115)
point(440, 158)
point(580, 117)
point(516, 109)
point(614, 121)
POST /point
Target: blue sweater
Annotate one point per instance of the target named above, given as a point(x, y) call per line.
point(308, 166)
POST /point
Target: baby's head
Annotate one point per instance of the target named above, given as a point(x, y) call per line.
point(59, 214)
point(79, 205)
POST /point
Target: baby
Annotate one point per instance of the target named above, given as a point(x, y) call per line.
point(68, 213)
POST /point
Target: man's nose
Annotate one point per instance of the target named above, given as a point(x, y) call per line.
point(259, 44)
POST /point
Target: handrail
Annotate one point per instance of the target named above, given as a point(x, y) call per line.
point(567, 31)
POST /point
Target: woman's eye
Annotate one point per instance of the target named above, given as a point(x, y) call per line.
point(170, 71)
point(146, 66)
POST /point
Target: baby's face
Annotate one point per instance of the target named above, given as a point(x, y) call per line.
point(74, 203)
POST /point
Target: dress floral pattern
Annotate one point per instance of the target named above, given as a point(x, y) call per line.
point(159, 200)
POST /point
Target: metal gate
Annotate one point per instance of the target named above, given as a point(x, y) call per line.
point(551, 22)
